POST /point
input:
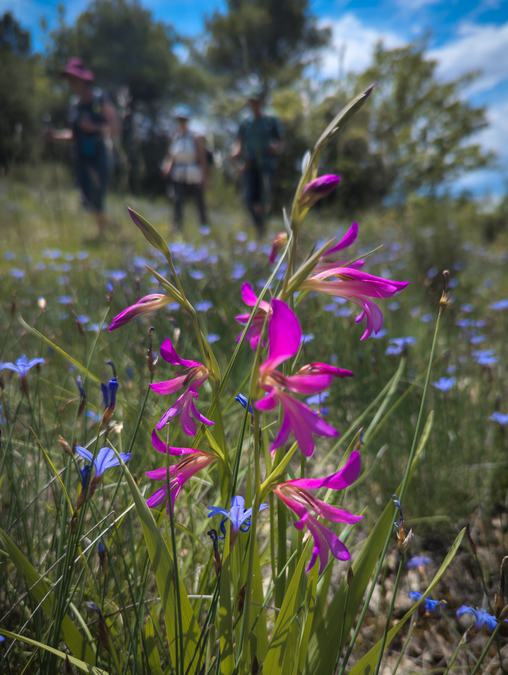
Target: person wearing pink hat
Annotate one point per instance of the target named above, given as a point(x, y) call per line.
point(93, 122)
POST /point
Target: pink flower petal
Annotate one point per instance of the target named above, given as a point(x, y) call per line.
point(168, 386)
point(307, 384)
point(248, 294)
point(335, 481)
point(284, 335)
point(268, 402)
point(169, 354)
point(160, 446)
point(157, 498)
point(349, 238)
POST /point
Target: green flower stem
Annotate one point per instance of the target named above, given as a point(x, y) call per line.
point(390, 612)
point(404, 484)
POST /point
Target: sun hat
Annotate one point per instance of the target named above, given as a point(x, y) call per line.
point(182, 112)
point(76, 68)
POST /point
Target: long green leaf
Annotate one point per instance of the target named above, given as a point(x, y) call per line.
point(162, 565)
point(282, 651)
point(152, 652)
point(335, 618)
point(41, 591)
point(85, 667)
point(148, 230)
point(368, 662)
point(77, 364)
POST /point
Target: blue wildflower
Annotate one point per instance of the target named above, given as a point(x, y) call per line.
point(397, 345)
point(238, 272)
point(500, 418)
point(204, 305)
point(116, 275)
point(499, 305)
point(430, 606)
point(109, 393)
point(485, 357)
point(106, 459)
point(22, 365)
point(213, 337)
point(238, 515)
point(481, 617)
point(445, 383)
point(418, 561)
point(17, 273)
point(244, 402)
point(85, 474)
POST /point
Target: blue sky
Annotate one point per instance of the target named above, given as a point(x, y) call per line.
point(464, 35)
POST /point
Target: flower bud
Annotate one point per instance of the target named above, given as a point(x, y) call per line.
point(318, 188)
point(279, 241)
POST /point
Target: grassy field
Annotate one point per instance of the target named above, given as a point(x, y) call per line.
point(68, 287)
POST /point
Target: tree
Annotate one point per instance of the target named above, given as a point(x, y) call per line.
point(133, 58)
point(20, 80)
point(124, 46)
point(420, 127)
point(269, 41)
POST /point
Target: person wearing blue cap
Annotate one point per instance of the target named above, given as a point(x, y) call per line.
point(186, 166)
point(258, 146)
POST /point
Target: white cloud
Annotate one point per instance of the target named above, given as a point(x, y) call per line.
point(476, 47)
point(415, 5)
point(494, 136)
point(352, 45)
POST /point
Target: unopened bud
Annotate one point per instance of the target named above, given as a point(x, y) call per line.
point(65, 446)
point(42, 304)
point(444, 300)
point(278, 242)
point(318, 188)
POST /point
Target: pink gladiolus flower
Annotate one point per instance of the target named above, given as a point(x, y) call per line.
point(177, 474)
point(256, 327)
point(184, 406)
point(318, 188)
point(347, 281)
point(145, 305)
point(284, 338)
point(296, 496)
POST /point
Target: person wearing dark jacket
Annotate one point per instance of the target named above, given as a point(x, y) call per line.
point(257, 147)
point(93, 124)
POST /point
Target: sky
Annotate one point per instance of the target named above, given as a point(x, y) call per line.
point(463, 35)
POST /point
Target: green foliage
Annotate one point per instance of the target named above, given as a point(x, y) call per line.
point(421, 127)
point(22, 104)
point(270, 41)
point(125, 47)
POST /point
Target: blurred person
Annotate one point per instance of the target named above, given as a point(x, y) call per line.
point(186, 166)
point(94, 129)
point(257, 147)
